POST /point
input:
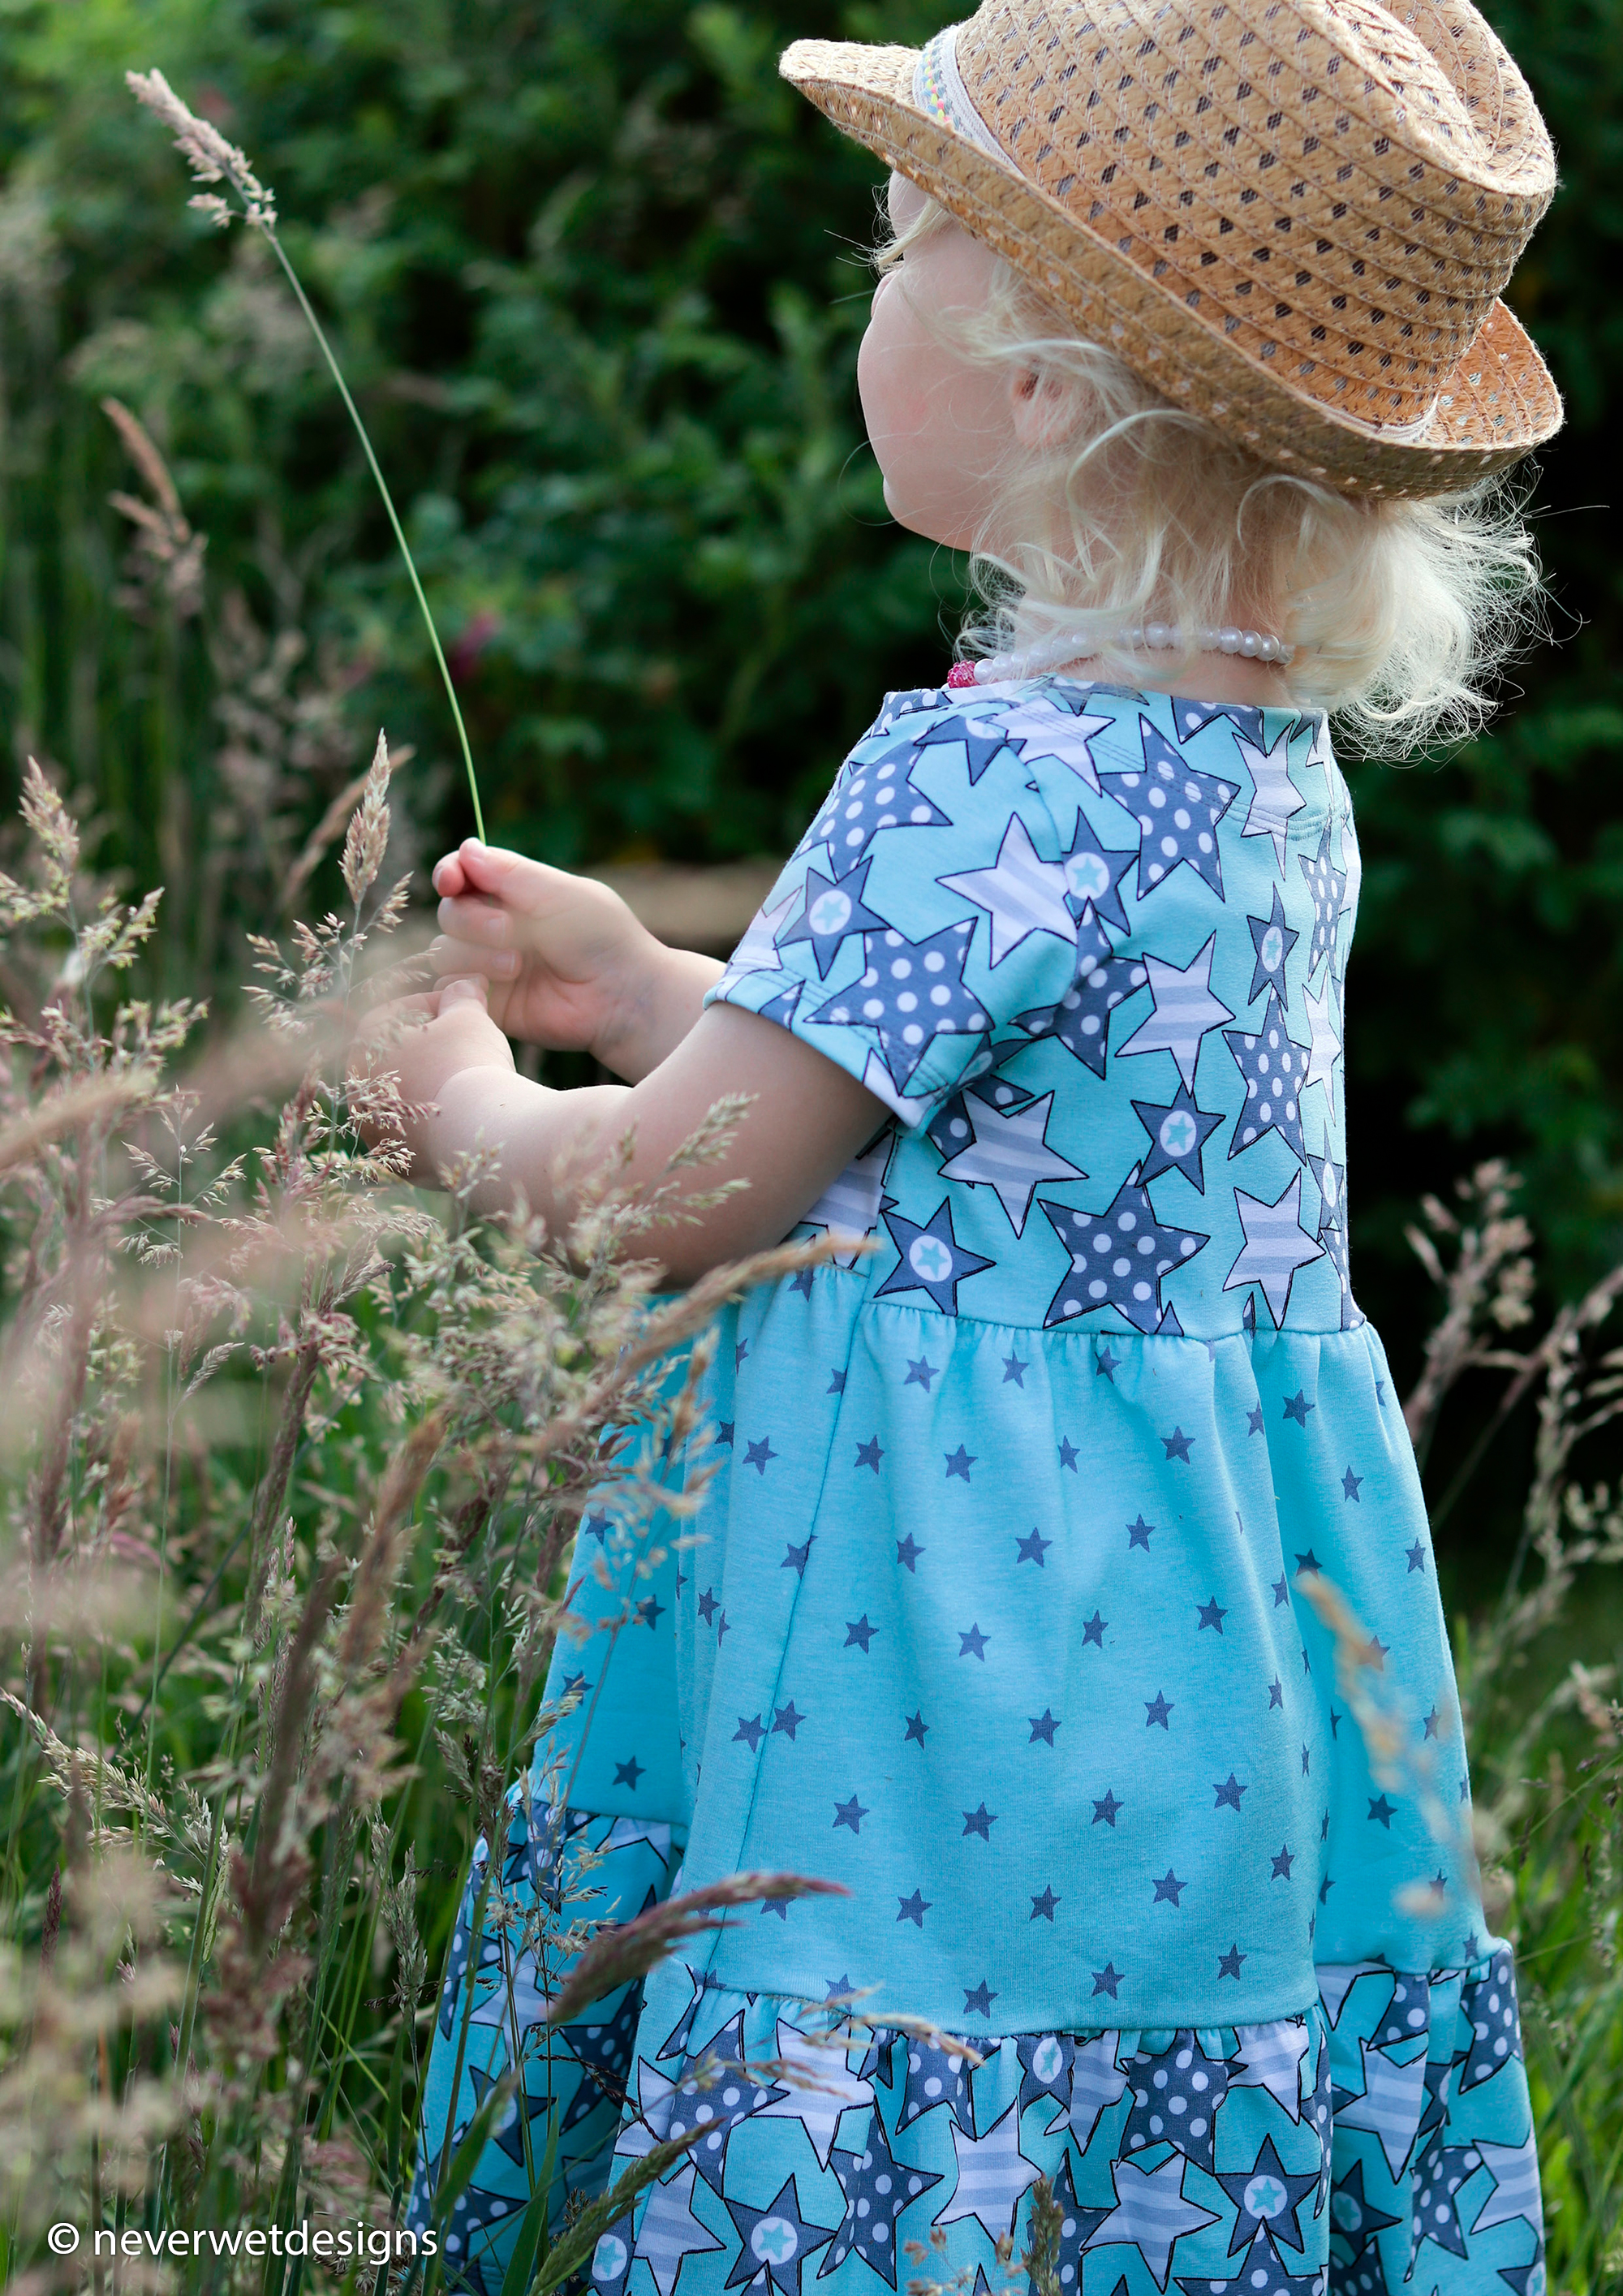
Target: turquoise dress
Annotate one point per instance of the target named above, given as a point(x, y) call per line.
point(1000, 1609)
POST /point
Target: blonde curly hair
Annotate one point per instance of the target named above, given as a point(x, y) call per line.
point(1401, 613)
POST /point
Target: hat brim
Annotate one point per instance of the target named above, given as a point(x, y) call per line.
point(1499, 402)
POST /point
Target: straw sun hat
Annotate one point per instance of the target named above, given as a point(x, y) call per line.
point(1294, 217)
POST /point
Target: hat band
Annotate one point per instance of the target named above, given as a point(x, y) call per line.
point(938, 91)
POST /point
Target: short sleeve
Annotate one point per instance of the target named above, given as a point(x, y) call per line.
point(925, 917)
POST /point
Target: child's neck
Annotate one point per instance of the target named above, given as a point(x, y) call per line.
point(1213, 677)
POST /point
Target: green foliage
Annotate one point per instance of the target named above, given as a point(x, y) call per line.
point(597, 279)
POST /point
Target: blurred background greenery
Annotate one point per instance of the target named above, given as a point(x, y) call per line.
point(596, 277)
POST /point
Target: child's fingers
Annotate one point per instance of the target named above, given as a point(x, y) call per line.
point(447, 878)
point(449, 955)
point(530, 888)
point(476, 921)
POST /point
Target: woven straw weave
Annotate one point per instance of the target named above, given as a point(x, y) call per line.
point(1295, 218)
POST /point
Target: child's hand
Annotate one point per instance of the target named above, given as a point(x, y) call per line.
point(568, 964)
point(562, 953)
point(457, 1034)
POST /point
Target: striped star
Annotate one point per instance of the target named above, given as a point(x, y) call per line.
point(671, 2231)
point(993, 2172)
point(1514, 2170)
point(1276, 1244)
point(1096, 2080)
point(1008, 1154)
point(1390, 2106)
point(820, 2088)
point(1185, 1011)
point(1044, 728)
point(1151, 2212)
point(1022, 895)
point(1324, 1050)
point(849, 1205)
point(1274, 796)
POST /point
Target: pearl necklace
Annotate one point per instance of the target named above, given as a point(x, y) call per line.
point(1155, 637)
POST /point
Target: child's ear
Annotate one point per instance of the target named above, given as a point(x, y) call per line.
point(1044, 408)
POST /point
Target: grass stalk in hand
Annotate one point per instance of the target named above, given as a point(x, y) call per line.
point(214, 161)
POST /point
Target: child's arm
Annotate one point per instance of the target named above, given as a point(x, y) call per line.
point(569, 965)
point(806, 1119)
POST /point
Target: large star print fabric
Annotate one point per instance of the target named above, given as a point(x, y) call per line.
point(989, 1596)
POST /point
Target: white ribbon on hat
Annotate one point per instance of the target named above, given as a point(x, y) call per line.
point(938, 90)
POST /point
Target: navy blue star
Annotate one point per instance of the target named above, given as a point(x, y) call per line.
point(877, 2188)
point(959, 1463)
point(1042, 1908)
point(921, 1373)
point(1273, 1065)
point(913, 1909)
point(1350, 1487)
point(1081, 1019)
point(1273, 939)
point(830, 914)
point(787, 1720)
point(1254, 1419)
point(1178, 1130)
point(776, 2239)
point(1105, 1364)
point(859, 1632)
point(1169, 1888)
point(760, 1455)
point(627, 1774)
point(1310, 1561)
point(850, 1813)
point(649, 1612)
point(1118, 1257)
point(1438, 2175)
point(1177, 811)
point(1184, 2073)
point(1283, 1864)
point(1355, 2217)
point(1381, 1811)
point(1138, 1534)
point(1212, 1614)
point(907, 1552)
point(596, 1526)
point(1107, 1980)
point(1093, 874)
point(972, 1644)
point(1416, 1554)
point(1032, 1547)
point(1487, 2004)
point(916, 1728)
point(935, 2079)
point(1328, 886)
point(1069, 1454)
point(1228, 1792)
point(706, 1606)
point(723, 1434)
point(869, 1454)
point(979, 1821)
point(872, 794)
point(1015, 1369)
point(1104, 1812)
point(797, 1557)
point(978, 2002)
point(910, 993)
point(1276, 1695)
point(510, 2129)
point(750, 1729)
point(1156, 1710)
point(932, 1259)
point(1228, 1963)
point(1093, 1630)
point(979, 747)
point(803, 1283)
point(1297, 1408)
point(1043, 1726)
point(836, 1383)
point(1177, 1445)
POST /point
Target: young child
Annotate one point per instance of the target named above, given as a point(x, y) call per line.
point(1002, 1609)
